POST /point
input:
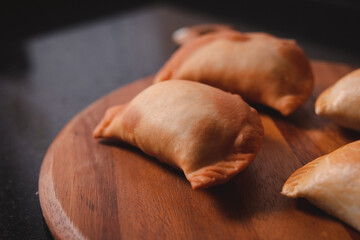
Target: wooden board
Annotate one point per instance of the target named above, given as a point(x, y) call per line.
point(110, 190)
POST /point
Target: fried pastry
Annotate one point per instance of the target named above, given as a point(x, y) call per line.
point(341, 101)
point(259, 67)
point(209, 134)
point(331, 182)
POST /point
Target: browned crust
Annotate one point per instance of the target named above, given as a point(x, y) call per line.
point(166, 72)
point(297, 57)
point(298, 176)
point(242, 153)
point(239, 148)
point(288, 101)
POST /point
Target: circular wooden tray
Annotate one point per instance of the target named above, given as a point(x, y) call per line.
point(92, 189)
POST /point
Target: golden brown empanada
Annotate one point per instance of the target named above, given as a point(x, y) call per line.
point(331, 182)
point(341, 101)
point(209, 134)
point(260, 67)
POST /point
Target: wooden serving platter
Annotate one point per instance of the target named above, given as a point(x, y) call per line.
point(92, 189)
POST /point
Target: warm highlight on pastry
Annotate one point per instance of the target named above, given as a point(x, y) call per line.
point(341, 101)
point(187, 34)
point(209, 134)
point(259, 67)
point(331, 182)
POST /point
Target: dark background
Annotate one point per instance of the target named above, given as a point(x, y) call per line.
point(56, 57)
point(334, 22)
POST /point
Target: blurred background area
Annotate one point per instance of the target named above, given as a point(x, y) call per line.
point(330, 23)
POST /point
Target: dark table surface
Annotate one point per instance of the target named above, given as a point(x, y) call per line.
point(55, 74)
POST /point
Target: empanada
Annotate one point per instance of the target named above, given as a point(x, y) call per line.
point(331, 182)
point(341, 101)
point(209, 134)
point(259, 67)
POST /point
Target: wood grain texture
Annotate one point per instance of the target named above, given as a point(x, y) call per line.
point(92, 189)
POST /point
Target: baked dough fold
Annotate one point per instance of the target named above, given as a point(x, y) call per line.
point(331, 182)
point(341, 101)
point(259, 67)
point(209, 134)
